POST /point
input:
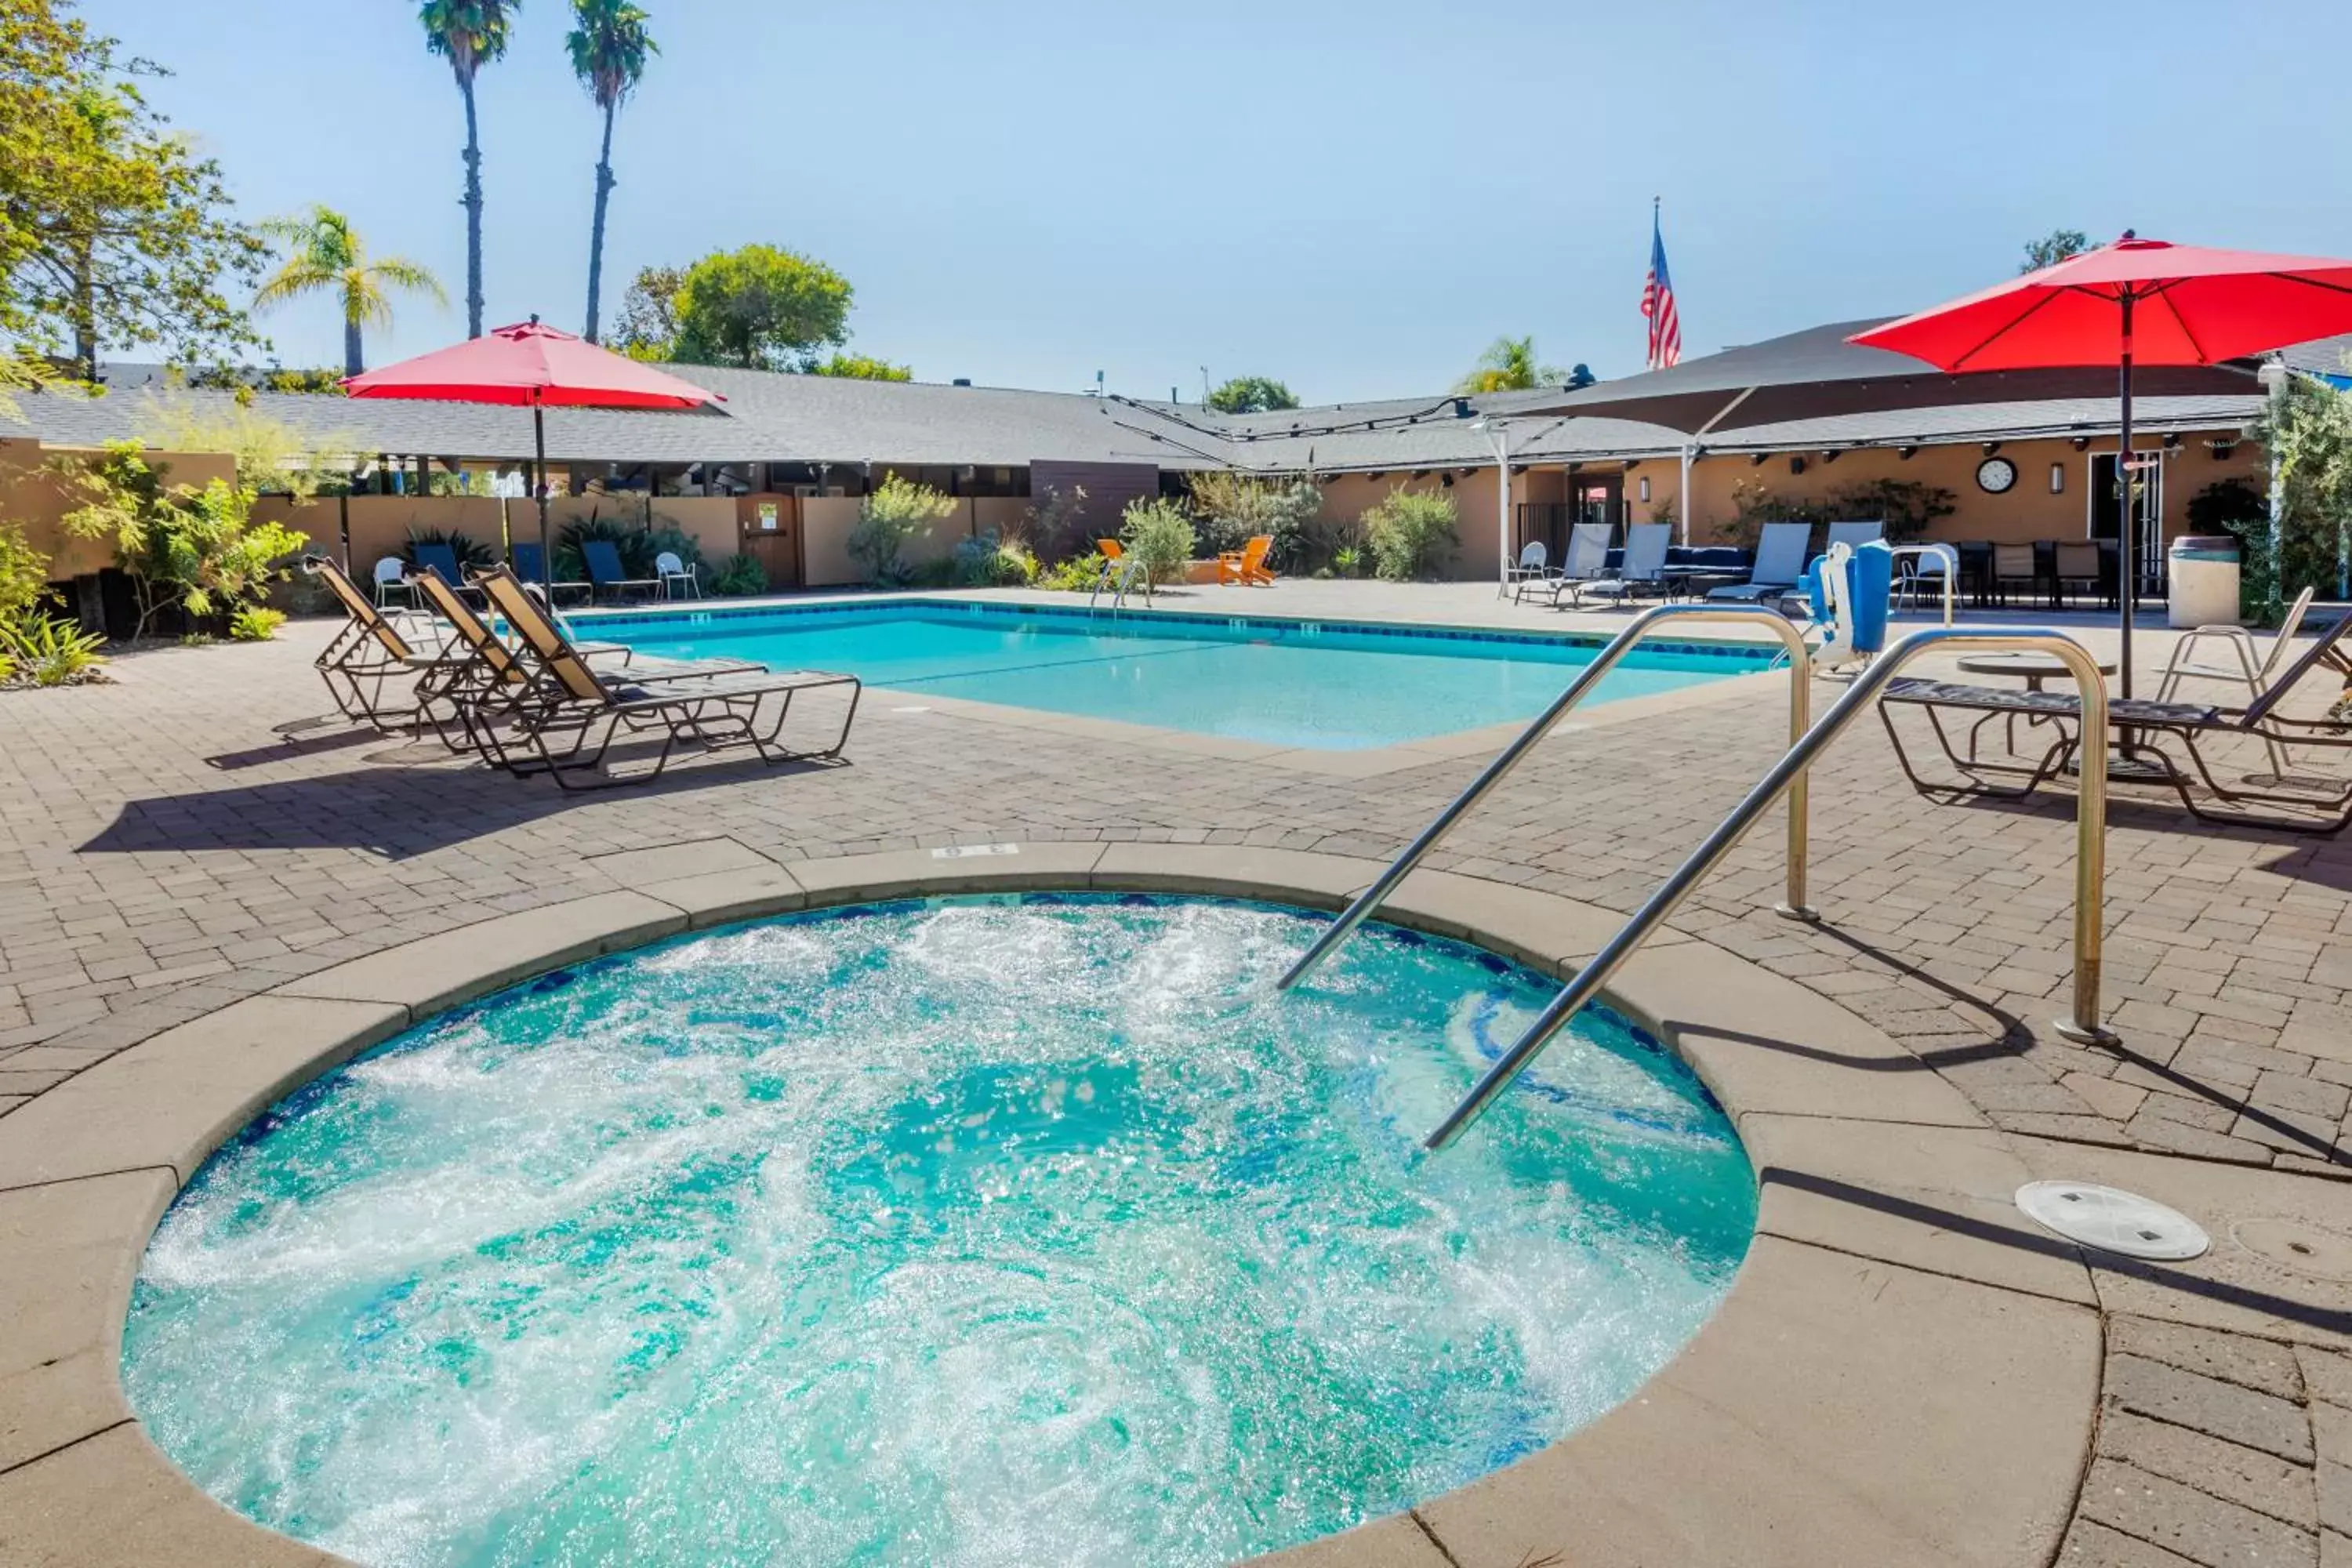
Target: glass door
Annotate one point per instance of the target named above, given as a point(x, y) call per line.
point(2148, 496)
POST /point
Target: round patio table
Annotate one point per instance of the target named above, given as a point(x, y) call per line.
point(2033, 669)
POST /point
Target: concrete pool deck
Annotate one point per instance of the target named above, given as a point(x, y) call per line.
point(196, 911)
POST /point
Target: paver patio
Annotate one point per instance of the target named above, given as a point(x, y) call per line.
point(164, 851)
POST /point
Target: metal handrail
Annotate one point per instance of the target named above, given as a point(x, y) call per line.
point(1608, 658)
point(2090, 851)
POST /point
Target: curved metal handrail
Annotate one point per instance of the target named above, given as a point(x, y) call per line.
point(2090, 851)
point(1607, 659)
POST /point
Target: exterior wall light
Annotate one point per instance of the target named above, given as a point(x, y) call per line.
point(2057, 479)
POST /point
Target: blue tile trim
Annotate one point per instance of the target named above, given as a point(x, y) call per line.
point(1144, 621)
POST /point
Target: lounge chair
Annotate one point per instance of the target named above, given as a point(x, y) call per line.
point(1247, 566)
point(2253, 676)
point(1642, 570)
point(449, 691)
point(563, 721)
point(530, 562)
point(1585, 563)
point(1780, 562)
point(1855, 535)
point(2148, 729)
point(363, 661)
point(605, 573)
point(1534, 567)
point(441, 561)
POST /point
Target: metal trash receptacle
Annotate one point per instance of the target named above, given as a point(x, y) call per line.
point(2203, 571)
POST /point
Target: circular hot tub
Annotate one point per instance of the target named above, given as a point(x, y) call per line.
point(1024, 1229)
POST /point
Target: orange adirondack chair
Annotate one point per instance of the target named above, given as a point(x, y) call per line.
point(1247, 566)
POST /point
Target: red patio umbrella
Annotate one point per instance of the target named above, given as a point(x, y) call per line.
point(529, 363)
point(2138, 301)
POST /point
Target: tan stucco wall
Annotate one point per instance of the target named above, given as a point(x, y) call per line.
point(33, 499)
point(1346, 497)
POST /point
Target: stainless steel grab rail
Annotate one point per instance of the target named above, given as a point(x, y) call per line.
point(2090, 852)
point(1608, 658)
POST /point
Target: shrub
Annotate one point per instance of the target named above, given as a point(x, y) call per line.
point(1054, 526)
point(896, 512)
point(1236, 506)
point(740, 575)
point(987, 561)
point(198, 552)
point(48, 651)
point(1348, 560)
point(1077, 575)
point(255, 623)
point(1412, 533)
point(24, 575)
point(470, 551)
point(1159, 533)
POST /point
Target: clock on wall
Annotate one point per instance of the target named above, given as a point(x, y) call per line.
point(1995, 475)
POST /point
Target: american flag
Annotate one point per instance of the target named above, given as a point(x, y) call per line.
point(1658, 304)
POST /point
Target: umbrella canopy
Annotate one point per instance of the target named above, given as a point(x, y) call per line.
point(2144, 300)
point(527, 364)
point(2187, 304)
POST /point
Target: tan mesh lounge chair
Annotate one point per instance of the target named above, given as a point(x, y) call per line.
point(373, 651)
point(448, 694)
point(563, 721)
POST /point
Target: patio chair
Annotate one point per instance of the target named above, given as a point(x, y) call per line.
point(1117, 571)
point(449, 689)
point(1779, 562)
point(530, 562)
point(2077, 567)
point(2255, 677)
point(2012, 566)
point(361, 661)
point(1534, 566)
point(673, 574)
point(605, 573)
point(1855, 535)
point(1247, 566)
point(2148, 729)
point(392, 577)
point(564, 723)
point(1642, 571)
point(1586, 562)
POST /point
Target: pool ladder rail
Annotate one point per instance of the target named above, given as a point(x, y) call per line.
point(1785, 779)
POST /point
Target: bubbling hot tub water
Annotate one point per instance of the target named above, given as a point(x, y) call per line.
point(995, 1231)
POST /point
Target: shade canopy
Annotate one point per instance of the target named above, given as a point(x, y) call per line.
point(529, 363)
point(2191, 305)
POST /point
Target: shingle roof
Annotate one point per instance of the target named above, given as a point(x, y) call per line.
point(1990, 421)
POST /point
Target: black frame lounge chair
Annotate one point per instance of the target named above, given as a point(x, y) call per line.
point(1644, 576)
point(564, 723)
point(372, 650)
point(605, 571)
point(1584, 563)
point(2151, 729)
point(529, 563)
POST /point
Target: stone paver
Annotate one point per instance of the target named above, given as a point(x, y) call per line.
point(165, 853)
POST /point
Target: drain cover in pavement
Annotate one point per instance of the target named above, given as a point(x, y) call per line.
point(2305, 1249)
point(2112, 1220)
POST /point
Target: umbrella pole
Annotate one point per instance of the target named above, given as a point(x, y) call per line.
point(539, 488)
point(2128, 573)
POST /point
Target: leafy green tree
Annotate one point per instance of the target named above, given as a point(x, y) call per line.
point(112, 229)
point(198, 550)
point(1412, 533)
point(888, 520)
point(1252, 395)
point(1157, 532)
point(2055, 248)
point(609, 45)
point(469, 34)
point(327, 255)
point(861, 367)
point(760, 308)
point(1509, 365)
point(647, 329)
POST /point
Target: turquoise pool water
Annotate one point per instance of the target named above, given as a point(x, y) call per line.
point(985, 1231)
point(1331, 687)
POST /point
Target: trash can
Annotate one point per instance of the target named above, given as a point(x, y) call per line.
point(2203, 572)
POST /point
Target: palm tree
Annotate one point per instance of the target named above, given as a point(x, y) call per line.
point(1509, 365)
point(609, 49)
point(326, 256)
point(470, 34)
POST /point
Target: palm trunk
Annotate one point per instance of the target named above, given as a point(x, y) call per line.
point(473, 213)
point(354, 357)
point(596, 228)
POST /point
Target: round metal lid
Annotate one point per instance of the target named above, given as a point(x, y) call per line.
point(2112, 1220)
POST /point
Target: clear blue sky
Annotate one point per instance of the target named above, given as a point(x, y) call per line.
point(1353, 196)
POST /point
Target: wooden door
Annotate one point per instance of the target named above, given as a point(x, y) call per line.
point(767, 529)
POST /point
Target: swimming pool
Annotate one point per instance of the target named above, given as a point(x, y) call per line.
point(1010, 1230)
point(1328, 685)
